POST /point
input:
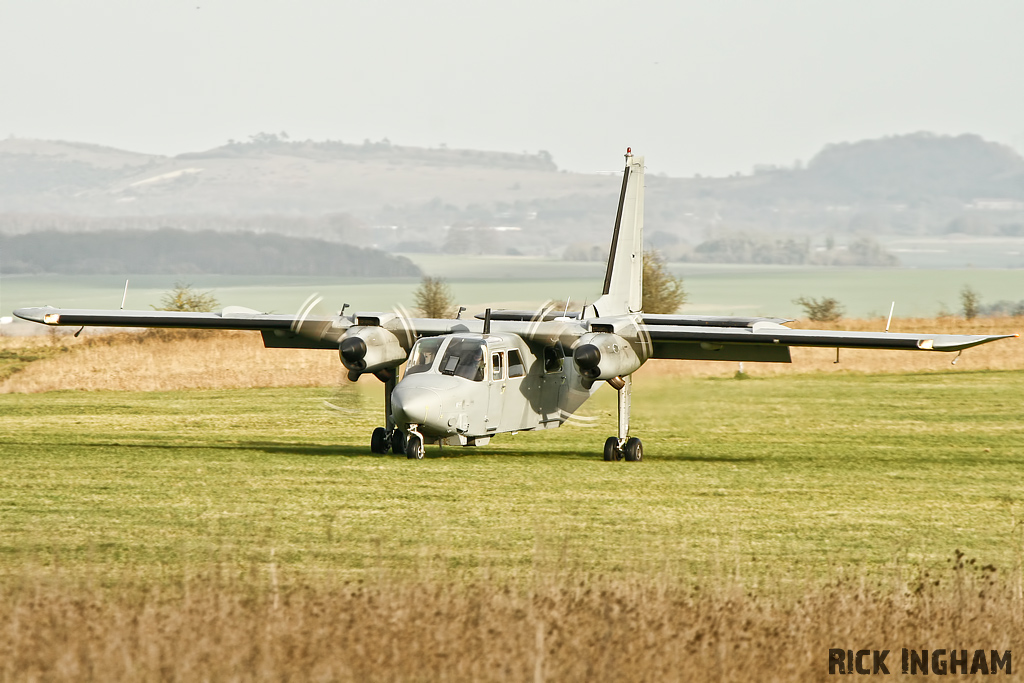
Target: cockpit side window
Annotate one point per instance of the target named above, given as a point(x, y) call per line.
point(465, 358)
point(515, 364)
point(422, 355)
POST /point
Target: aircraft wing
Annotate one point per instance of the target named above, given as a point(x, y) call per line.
point(279, 331)
point(768, 341)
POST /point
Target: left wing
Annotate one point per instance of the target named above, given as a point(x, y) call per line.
point(766, 340)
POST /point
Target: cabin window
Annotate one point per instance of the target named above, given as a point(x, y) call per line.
point(515, 364)
point(497, 366)
point(465, 358)
point(423, 354)
point(552, 359)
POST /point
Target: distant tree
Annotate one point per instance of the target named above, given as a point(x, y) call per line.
point(662, 292)
point(434, 298)
point(824, 310)
point(970, 301)
point(185, 298)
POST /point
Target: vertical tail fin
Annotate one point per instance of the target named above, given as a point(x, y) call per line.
point(623, 280)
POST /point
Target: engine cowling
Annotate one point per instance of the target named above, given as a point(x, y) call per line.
point(603, 356)
point(370, 349)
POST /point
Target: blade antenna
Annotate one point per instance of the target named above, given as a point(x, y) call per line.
point(889, 321)
point(123, 296)
point(487, 322)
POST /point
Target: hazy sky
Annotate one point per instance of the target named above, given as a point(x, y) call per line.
point(698, 87)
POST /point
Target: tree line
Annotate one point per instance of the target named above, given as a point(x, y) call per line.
point(180, 252)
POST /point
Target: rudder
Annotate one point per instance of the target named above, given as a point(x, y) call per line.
point(623, 280)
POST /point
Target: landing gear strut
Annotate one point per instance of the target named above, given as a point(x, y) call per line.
point(389, 438)
point(624, 446)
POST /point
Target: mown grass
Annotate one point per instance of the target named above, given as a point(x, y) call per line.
point(783, 477)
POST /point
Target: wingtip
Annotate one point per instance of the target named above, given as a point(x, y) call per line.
point(36, 314)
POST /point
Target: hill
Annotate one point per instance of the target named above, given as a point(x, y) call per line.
point(400, 198)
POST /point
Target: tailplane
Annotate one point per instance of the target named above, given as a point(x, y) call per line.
point(623, 280)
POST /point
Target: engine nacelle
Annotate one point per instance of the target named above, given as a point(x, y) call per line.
point(603, 355)
point(370, 349)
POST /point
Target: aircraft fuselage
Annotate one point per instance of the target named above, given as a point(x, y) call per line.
point(464, 388)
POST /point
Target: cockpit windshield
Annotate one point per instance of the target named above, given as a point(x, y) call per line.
point(423, 354)
point(465, 358)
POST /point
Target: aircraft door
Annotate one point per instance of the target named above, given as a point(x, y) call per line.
point(516, 412)
point(553, 386)
point(497, 381)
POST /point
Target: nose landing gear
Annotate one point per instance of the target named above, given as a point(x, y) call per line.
point(414, 446)
point(623, 446)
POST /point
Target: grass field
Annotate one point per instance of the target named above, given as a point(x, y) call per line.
point(781, 478)
point(247, 534)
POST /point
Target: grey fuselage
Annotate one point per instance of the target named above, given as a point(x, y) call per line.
point(464, 388)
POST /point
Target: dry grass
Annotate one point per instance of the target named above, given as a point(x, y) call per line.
point(168, 360)
point(219, 626)
point(165, 360)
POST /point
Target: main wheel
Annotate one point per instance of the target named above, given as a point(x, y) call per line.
point(398, 441)
point(633, 450)
point(414, 447)
point(379, 441)
point(611, 449)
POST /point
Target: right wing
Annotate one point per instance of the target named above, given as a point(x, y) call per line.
point(279, 331)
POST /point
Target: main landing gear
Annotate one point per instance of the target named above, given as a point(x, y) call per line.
point(624, 446)
point(391, 438)
point(394, 440)
point(383, 441)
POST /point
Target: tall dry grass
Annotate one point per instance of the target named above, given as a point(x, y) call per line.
point(169, 360)
point(219, 626)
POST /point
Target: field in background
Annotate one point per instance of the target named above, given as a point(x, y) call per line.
point(519, 282)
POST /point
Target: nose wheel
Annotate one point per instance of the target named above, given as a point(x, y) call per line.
point(414, 447)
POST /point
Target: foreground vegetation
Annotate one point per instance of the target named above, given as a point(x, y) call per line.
point(248, 534)
point(567, 628)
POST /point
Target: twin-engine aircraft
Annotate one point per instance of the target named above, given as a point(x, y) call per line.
point(467, 380)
